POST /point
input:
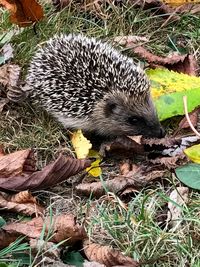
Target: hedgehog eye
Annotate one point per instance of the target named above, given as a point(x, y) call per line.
point(133, 120)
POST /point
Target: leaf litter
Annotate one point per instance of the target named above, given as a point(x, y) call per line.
point(19, 169)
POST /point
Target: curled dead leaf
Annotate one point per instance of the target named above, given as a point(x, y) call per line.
point(61, 227)
point(181, 63)
point(120, 183)
point(16, 203)
point(15, 173)
point(13, 164)
point(107, 255)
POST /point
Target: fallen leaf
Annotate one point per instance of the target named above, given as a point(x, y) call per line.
point(94, 169)
point(13, 164)
point(180, 63)
point(23, 13)
point(178, 197)
point(22, 202)
point(107, 255)
point(7, 238)
point(183, 124)
point(193, 153)
point(179, 2)
point(122, 146)
point(130, 40)
point(62, 227)
point(81, 144)
point(52, 174)
point(120, 183)
point(170, 162)
point(189, 174)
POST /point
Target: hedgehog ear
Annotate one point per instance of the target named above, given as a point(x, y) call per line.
point(109, 108)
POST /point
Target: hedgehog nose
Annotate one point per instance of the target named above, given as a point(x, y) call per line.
point(162, 132)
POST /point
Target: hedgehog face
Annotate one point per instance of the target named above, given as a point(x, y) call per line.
point(125, 115)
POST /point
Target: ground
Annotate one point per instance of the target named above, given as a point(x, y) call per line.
point(22, 126)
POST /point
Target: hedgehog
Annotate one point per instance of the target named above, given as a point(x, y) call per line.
point(87, 84)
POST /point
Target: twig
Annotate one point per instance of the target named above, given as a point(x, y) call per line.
point(187, 116)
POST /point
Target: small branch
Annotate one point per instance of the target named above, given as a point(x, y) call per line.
point(187, 116)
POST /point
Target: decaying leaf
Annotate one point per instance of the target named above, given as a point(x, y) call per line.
point(61, 227)
point(183, 124)
point(17, 171)
point(170, 162)
point(23, 13)
point(130, 40)
point(13, 164)
point(7, 238)
point(120, 183)
point(180, 197)
point(107, 255)
point(122, 146)
point(22, 202)
point(181, 63)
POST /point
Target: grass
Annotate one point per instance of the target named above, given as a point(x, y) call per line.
point(136, 231)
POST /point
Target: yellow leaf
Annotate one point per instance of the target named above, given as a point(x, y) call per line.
point(180, 2)
point(81, 144)
point(193, 153)
point(94, 169)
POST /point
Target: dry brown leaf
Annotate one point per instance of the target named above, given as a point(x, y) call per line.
point(183, 124)
point(180, 197)
point(25, 207)
point(62, 227)
point(16, 173)
point(22, 197)
point(120, 183)
point(130, 40)
point(122, 146)
point(170, 162)
point(23, 12)
point(13, 164)
point(7, 238)
point(107, 255)
point(181, 63)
